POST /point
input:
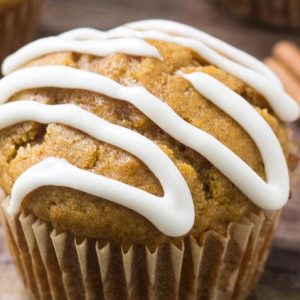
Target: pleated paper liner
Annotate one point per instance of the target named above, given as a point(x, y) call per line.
point(58, 266)
point(18, 25)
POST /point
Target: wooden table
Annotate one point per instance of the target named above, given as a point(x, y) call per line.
point(281, 280)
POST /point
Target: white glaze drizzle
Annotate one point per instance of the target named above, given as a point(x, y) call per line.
point(213, 150)
point(49, 45)
point(264, 85)
point(181, 30)
point(176, 202)
point(237, 55)
point(269, 195)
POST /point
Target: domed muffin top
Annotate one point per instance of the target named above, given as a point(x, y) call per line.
point(175, 128)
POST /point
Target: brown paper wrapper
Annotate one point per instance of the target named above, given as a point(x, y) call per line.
point(276, 13)
point(58, 266)
point(18, 24)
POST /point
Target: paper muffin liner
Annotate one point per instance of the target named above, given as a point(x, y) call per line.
point(56, 265)
point(18, 24)
point(278, 13)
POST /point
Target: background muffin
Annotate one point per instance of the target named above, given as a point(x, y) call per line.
point(18, 22)
point(277, 13)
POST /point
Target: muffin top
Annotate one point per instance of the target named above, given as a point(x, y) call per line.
point(147, 132)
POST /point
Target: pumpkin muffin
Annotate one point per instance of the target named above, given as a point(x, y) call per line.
point(71, 243)
point(18, 22)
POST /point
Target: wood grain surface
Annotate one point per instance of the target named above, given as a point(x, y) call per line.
point(281, 280)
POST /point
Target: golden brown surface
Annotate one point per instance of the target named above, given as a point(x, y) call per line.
point(217, 200)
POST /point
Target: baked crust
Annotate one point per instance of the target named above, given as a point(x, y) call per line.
point(217, 201)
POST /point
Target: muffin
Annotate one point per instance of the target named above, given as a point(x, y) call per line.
point(18, 22)
point(141, 163)
point(276, 13)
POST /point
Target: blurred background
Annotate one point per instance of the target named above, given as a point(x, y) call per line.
point(252, 25)
point(213, 16)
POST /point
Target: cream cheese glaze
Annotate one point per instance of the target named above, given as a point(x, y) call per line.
point(264, 85)
point(173, 213)
point(53, 171)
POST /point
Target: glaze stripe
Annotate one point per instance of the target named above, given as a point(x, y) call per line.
point(237, 55)
point(270, 149)
point(224, 159)
point(272, 92)
point(176, 203)
point(181, 30)
point(131, 46)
